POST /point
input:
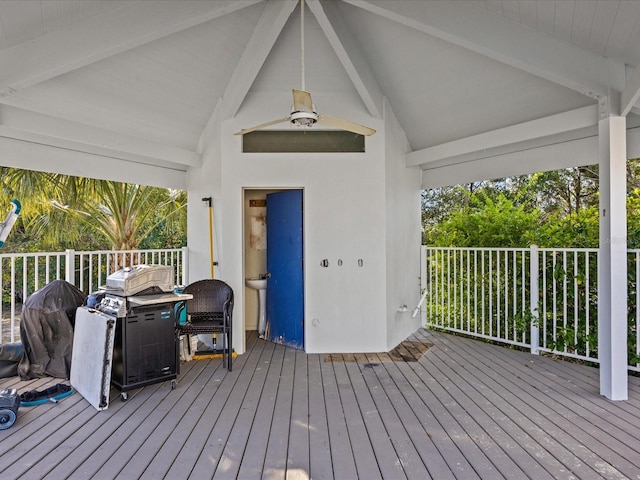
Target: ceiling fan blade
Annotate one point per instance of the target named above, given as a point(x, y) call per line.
point(302, 101)
point(262, 125)
point(343, 124)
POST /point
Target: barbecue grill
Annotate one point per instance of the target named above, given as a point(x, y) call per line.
point(139, 346)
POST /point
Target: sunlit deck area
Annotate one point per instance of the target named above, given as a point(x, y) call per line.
point(440, 407)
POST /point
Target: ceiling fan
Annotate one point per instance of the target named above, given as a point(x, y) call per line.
point(303, 112)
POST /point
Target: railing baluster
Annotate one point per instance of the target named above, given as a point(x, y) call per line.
point(637, 321)
point(13, 298)
point(576, 299)
point(468, 277)
point(482, 270)
point(31, 271)
point(475, 290)
point(564, 297)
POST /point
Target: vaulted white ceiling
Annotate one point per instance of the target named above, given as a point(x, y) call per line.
point(139, 81)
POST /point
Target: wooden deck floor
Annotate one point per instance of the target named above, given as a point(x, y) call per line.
point(464, 409)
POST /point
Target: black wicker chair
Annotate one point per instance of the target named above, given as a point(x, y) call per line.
point(210, 311)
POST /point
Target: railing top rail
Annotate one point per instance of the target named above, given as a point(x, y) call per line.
point(31, 254)
point(88, 252)
point(146, 250)
point(516, 249)
point(482, 249)
point(587, 250)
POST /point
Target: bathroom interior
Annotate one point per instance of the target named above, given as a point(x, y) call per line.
point(255, 257)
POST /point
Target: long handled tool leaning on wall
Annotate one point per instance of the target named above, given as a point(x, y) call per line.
point(210, 341)
point(209, 200)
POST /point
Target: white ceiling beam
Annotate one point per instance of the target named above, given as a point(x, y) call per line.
point(136, 150)
point(631, 92)
point(506, 42)
point(583, 151)
point(349, 54)
point(210, 135)
point(544, 127)
point(102, 36)
point(267, 31)
point(562, 154)
point(47, 158)
point(35, 128)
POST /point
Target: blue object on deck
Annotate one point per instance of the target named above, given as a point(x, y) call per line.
point(7, 225)
point(51, 394)
point(180, 309)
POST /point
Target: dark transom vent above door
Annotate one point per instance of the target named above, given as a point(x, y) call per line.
point(305, 141)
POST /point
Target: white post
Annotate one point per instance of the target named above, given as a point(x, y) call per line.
point(612, 257)
point(423, 284)
point(70, 266)
point(534, 298)
point(185, 266)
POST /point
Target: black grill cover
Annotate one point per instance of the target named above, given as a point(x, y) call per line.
point(46, 329)
point(10, 356)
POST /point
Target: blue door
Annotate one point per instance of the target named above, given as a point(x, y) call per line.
point(285, 288)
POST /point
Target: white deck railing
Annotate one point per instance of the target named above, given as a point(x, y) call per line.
point(538, 298)
point(21, 274)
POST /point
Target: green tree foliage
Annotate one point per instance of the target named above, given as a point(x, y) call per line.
point(633, 218)
point(578, 229)
point(550, 209)
point(61, 211)
point(558, 209)
point(486, 222)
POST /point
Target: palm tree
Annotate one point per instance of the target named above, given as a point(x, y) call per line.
point(68, 212)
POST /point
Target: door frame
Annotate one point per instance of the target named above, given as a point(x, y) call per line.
point(246, 190)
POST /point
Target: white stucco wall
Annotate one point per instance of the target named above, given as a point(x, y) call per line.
point(343, 220)
point(357, 206)
point(403, 234)
point(202, 182)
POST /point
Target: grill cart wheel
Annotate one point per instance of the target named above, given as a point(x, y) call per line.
point(7, 418)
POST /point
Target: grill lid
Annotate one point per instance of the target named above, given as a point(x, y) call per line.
point(135, 279)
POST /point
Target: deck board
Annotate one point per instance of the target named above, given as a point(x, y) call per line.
point(234, 448)
point(438, 406)
point(299, 424)
point(220, 430)
point(320, 465)
point(407, 454)
point(580, 422)
point(361, 446)
point(342, 457)
point(254, 454)
point(278, 445)
point(554, 418)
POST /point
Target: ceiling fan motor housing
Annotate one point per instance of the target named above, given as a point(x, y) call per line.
point(305, 119)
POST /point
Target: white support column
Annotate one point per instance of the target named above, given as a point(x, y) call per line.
point(423, 284)
point(70, 266)
point(534, 299)
point(612, 270)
